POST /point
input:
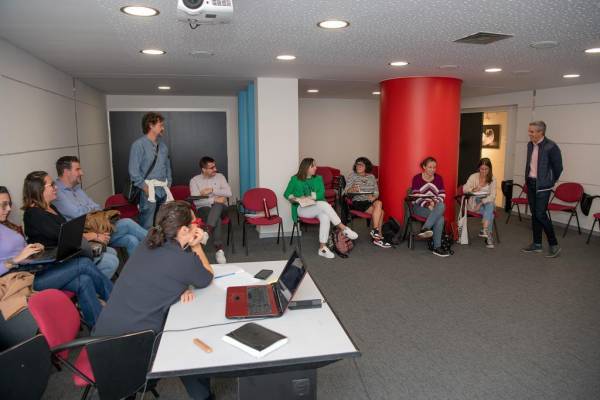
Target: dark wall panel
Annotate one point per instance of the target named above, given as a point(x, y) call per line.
point(188, 135)
point(471, 128)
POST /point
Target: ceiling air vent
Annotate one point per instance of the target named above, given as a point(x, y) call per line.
point(483, 38)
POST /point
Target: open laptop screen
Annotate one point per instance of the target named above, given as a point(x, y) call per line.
point(290, 279)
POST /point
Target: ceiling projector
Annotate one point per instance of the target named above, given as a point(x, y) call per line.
point(202, 12)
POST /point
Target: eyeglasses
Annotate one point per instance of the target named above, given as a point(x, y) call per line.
point(5, 204)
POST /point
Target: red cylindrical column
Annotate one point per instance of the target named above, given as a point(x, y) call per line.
point(419, 117)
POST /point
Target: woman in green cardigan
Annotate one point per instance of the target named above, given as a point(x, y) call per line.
point(306, 192)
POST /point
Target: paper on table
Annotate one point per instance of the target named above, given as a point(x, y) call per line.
point(241, 278)
point(226, 269)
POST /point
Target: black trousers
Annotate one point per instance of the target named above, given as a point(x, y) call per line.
point(538, 204)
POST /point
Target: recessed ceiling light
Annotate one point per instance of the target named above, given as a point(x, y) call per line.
point(140, 11)
point(286, 57)
point(333, 24)
point(544, 44)
point(398, 63)
point(595, 50)
point(313, 90)
point(571, 76)
point(164, 88)
point(493, 69)
point(376, 93)
point(448, 66)
point(153, 52)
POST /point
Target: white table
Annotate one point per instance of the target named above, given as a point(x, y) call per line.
point(316, 338)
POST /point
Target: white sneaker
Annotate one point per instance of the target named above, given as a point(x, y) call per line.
point(350, 234)
point(325, 252)
point(220, 256)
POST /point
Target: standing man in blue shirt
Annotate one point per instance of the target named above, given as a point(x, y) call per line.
point(143, 151)
point(72, 202)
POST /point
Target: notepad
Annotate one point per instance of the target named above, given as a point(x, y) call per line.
point(305, 201)
point(255, 339)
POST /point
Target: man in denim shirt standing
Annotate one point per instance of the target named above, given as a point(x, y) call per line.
point(141, 155)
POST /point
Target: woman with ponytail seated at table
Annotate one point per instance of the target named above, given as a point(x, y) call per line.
point(78, 274)
point(156, 276)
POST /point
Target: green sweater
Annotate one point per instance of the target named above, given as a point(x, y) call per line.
point(299, 188)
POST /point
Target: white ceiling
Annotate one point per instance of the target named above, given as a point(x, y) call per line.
point(94, 41)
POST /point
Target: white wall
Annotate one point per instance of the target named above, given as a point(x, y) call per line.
point(191, 103)
point(572, 115)
point(337, 131)
point(47, 114)
point(277, 139)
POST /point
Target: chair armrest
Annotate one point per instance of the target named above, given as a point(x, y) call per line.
point(79, 342)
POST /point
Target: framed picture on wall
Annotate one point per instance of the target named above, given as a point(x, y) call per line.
point(490, 138)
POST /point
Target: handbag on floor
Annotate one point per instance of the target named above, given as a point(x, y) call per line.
point(463, 232)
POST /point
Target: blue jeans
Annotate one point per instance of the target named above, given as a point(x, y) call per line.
point(487, 210)
point(81, 276)
point(435, 221)
point(127, 234)
point(148, 209)
point(108, 262)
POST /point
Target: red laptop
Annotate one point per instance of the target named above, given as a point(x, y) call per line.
point(266, 300)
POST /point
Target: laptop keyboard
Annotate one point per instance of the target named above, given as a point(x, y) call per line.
point(258, 301)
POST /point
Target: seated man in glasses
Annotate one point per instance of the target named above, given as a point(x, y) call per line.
point(214, 190)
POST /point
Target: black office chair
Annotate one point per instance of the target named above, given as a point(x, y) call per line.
point(17, 329)
point(25, 369)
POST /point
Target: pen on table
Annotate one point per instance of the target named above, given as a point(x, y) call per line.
point(202, 345)
point(223, 276)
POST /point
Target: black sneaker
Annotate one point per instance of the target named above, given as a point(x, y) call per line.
point(381, 243)
point(425, 233)
point(375, 234)
point(532, 248)
point(440, 252)
point(553, 251)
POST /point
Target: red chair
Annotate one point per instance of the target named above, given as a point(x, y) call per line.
point(355, 213)
point(305, 221)
point(475, 214)
point(252, 201)
point(568, 192)
point(114, 365)
point(409, 217)
point(521, 199)
point(327, 175)
point(119, 202)
point(375, 171)
point(182, 192)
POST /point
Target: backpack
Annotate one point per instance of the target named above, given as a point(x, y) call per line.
point(339, 243)
point(447, 242)
point(391, 231)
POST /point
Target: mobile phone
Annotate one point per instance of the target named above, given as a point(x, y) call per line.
point(263, 274)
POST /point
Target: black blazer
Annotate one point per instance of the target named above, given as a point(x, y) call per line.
point(549, 164)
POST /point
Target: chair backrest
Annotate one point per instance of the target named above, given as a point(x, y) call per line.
point(120, 203)
point(375, 171)
point(180, 192)
point(327, 175)
point(569, 192)
point(253, 199)
point(25, 370)
point(56, 316)
point(120, 363)
point(17, 329)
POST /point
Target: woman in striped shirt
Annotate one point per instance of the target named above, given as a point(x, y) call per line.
point(362, 186)
point(429, 195)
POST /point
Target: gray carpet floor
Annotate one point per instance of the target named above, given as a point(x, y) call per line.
point(492, 324)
